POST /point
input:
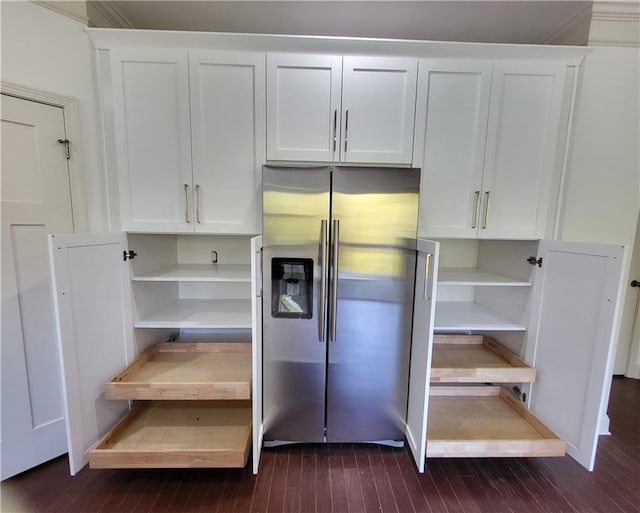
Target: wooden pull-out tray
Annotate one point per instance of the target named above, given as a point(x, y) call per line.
point(184, 434)
point(179, 371)
point(476, 359)
point(485, 421)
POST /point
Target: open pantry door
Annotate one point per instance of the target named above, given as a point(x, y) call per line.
point(92, 310)
point(256, 348)
point(570, 342)
point(421, 347)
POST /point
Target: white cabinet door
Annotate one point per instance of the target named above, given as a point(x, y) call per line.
point(524, 119)
point(303, 107)
point(92, 307)
point(451, 121)
point(570, 340)
point(378, 109)
point(153, 146)
point(421, 348)
point(227, 133)
point(256, 349)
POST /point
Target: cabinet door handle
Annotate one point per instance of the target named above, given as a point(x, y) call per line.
point(346, 129)
point(335, 129)
point(186, 203)
point(427, 266)
point(197, 204)
point(476, 209)
point(487, 198)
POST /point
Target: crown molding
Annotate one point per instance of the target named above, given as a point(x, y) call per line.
point(615, 23)
point(110, 15)
point(64, 9)
point(574, 32)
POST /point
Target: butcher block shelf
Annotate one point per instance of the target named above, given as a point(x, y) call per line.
point(178, 371)
point(485, 421)
point(476, 359)
point(183, 434)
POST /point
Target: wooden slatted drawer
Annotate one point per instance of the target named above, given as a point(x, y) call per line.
point(181, 371)
point(485, 421)
point(177, 434)
point(476, 359)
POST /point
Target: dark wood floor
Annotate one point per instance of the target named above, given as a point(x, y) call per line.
point(357, 478)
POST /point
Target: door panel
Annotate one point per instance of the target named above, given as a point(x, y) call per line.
point(574, 301)
point(256, 349)
point(376, 212)
point(421, 349)
point(303, 107)
point(378, 106)
point(35, 201)
point(92, 304)
point(151, 116)
point(296, 202)
point(227, 118)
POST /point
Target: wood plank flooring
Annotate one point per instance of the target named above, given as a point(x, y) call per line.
point(357, 478)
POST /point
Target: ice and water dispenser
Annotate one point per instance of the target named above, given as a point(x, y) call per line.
point(292, 288)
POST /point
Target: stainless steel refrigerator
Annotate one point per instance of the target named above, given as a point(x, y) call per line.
point(338, 288)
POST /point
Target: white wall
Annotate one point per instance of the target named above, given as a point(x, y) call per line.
point(46, 50)
point(602, 195)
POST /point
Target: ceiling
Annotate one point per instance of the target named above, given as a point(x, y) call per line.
point(523, 21)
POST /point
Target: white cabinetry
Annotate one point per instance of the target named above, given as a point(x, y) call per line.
point(170, 106)
point(153, 147)
point(553, 303)
point(346, 109)
point(486, 139)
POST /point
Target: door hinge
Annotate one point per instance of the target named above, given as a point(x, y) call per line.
point(67, 147)
point(535, 261)
point(129, 255)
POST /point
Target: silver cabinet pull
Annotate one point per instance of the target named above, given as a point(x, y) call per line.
point(335, 129)
point(487, 197)
point(346, 129)
point(186, 203)
point(334, 281)
point(322, 302)
point(427, 266)
point(197, 204)
point(476, 209)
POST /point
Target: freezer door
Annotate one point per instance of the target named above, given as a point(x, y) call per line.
point(295, 221)
point(374, 217)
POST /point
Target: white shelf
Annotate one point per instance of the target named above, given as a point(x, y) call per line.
point(456, 316)
point(200, 313)
point(471, 276)
point(199, 272)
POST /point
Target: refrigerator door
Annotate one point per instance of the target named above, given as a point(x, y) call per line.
point(374, 222)
point(295, 262)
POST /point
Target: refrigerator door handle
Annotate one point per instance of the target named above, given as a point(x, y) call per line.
point(334, 281)
point(322, 303)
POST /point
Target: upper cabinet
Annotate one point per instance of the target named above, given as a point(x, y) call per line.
point(153, 146)
point(486, 139)
point(347, 109)
point(188, 132)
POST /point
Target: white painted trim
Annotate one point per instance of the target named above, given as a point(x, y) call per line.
point(604, 425)
point(111, 13)
point(633, 371)
point(59, 8)
point(125, 38)
point(71, 109)
point(615, 23)
point(566, 33)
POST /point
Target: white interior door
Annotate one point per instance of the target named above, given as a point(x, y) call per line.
point(256, 348)
point(421, 347)
point(92, 301)
point(35, 201)
point(570, 340)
